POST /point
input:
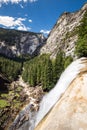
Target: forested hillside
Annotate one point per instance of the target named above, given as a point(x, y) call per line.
point(10, 68)
point(45, 71)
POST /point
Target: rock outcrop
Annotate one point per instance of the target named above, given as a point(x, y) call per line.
point(70, 111)
point(15, 43)
point(64, 34)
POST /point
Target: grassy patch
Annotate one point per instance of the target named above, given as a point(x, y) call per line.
point(16, 104)
point(3, 103)
point(19, 88)
point(4, 95)
point(11, 93)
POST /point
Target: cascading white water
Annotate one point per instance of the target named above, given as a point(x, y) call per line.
point(52, 97)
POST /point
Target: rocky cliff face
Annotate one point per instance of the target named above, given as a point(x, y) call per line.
point(70, 111)
point(64, 34)
point(16, 43)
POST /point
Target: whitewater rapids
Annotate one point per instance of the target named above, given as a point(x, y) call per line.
point(52, 97)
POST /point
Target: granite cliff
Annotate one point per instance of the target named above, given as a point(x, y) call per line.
point(15, 43)
point(64, 34)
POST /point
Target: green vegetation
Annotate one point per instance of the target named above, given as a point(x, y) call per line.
point(3, 103)
point(71, 34)
point(81, 46)
point(12, 37)
point(4, 95)
point(19, 89)
point(9, 36)
point(68, 60)
point(39, 71)
point(43, 71)
point(16, 104)
point(11, 69)
point(10, 105)
point(58, 66)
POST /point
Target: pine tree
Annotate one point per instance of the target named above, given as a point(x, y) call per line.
point(58, 66)
point(67, 61)
point(48, 76)
point(38, 73)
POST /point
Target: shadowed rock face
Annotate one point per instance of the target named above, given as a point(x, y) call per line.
point(70, 112)
point(15, 43)
point(3, 84)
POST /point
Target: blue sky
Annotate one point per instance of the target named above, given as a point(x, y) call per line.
point(35, 15)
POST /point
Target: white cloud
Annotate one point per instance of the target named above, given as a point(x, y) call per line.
point(23, 28)
point(33, 1)
point(45, 31)
point(7, 21)
point(12, 22)
point(11, 1)
point(15, 1)
point(30, 20)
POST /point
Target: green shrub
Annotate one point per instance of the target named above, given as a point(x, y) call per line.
point(3, 103)
point(11, 69)
point(81, 46)
point(68, 60)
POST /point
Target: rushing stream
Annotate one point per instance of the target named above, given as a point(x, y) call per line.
point(52, 97)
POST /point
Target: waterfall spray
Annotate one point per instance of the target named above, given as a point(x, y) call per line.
point(52, 97)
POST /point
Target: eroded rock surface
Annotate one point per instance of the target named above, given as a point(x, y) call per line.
point(70, 112)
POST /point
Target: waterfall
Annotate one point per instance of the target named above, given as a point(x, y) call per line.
point(21, 124)
point(52, 97)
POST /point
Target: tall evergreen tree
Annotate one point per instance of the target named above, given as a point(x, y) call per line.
point(48, 76)
point(38, 73)
point(58, 66)
point(67, 61)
